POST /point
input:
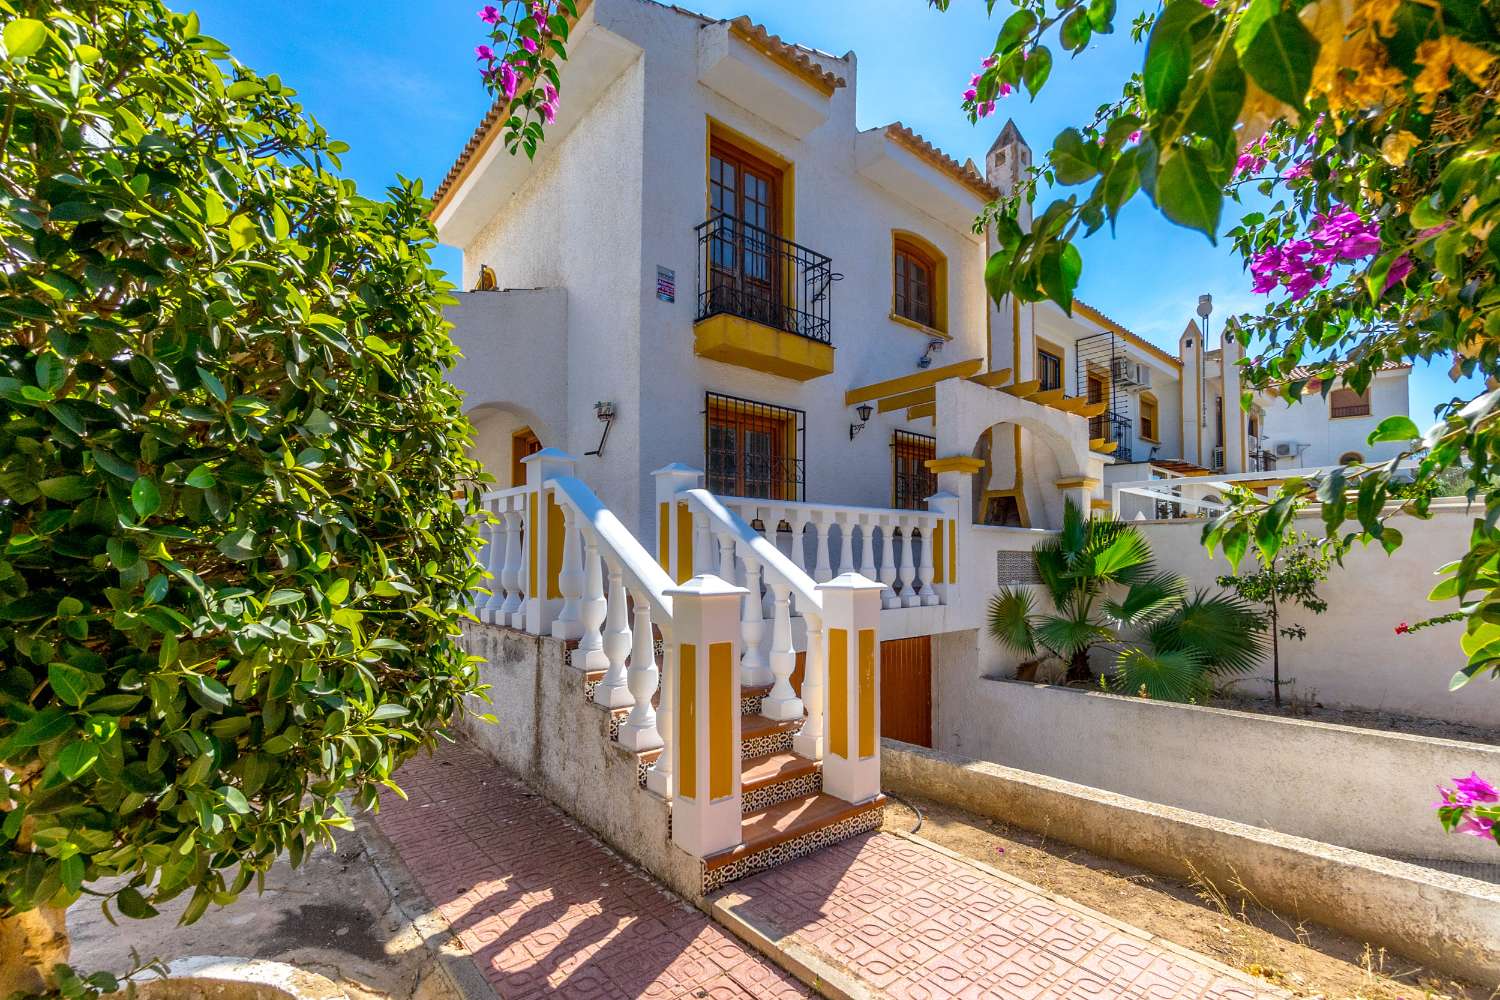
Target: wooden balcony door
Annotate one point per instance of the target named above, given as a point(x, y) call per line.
point(744, 193)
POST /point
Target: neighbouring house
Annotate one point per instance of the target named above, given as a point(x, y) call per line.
point(737, 336)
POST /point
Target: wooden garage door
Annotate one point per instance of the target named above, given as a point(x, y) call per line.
point(906, 690)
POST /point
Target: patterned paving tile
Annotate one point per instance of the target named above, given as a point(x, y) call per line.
point(544, 909)
point(911, 922)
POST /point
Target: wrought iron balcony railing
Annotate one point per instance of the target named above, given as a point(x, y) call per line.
point(1113, 426)
point(752, 273)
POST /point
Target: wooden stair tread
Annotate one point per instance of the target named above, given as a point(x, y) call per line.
point(753, 690)
point(773, 769)
point(784, 821)
point(757, 725)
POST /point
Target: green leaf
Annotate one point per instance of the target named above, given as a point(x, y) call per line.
point(1102, 16)
point(207, 691)
point(1398, 427)
point(281, 597)
point(1036, 69)
point(1169, 54)
point(1072, 159)
point(66, 488)
point(1218, 106)
point(47, 724)
point(1187, 193)
point(1014, 30)
point(76, 758)
point(1076, 30)
point(234, 799)
point(24, 37)
point(385, 712)
point(1278, 52)
point(134, 905)
point(70, 684)
point(338, 591)
point(212, 384)
point(1061, 266)
point(145, 497)
point(201, 478)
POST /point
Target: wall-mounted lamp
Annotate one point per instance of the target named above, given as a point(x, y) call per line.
point(933, 346)
point(606, 413)
point(864, 410)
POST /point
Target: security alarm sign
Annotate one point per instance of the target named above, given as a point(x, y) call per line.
point(666, 284)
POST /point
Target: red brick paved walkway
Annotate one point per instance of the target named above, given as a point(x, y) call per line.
point(910, 921)
point(543, 908)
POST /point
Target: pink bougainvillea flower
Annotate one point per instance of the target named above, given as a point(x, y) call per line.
point(549, 112)
point(1474, 789)
point(1003, 91)
point(1403, 629)
point(529, 44)
point(489, 15)
point(510, 81)
point(1297, 170)
point(1135, 136)
point(1400, 268)
point(990, 61)
point(970, 94)
point(1210, 3)
point(484, 52)
point(551, 93)
point(986, 108)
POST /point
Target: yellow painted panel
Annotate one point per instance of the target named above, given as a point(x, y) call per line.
point(908, 383)
point(838, 692)
point(684, 543)
point(686, 708)
point(761, 348)
point(937, 553)
point(920, 411)
point(557, 535)
point(905, 399)
point(664, 536)
point(532, 590)
point(866, 692)
point(953, 548)
point(722, 709)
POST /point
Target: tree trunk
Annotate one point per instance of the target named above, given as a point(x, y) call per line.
point(31, 943)
point(1078, 669)
point(1275, 646)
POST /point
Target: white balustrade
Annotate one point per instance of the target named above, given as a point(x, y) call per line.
point(782, 703)
point(867, 548)
point(927, 595)
point(614, 690)
point(510, 576)
point(907, 572)
point(568, 625)
point(809, 740)
point(755, 671)
point(592, 610)
point(638, 731)
point(823, 572)
point(889, 598)
point(659, 776)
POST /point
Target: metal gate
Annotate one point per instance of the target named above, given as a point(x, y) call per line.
point(906, 690)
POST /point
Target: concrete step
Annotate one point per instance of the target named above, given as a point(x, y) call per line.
point(765, 781)
point(761, 737)
point(789, 830)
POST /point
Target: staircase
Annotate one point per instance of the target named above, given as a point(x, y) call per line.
point(785, 813)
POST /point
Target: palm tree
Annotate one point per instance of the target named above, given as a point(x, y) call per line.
point(1102, 583)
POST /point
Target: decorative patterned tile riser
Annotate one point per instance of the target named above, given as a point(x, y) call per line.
point(750, 703)
point(766, 745)
point(768, 795)
point(791, 850)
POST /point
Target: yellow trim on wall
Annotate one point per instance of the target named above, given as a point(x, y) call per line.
point(966, 464)
point(533, 580)
point(748, 344)
point(557, 534)
point(867, 655)
point(930, 331)
point(1077, 482)
point(786, 209)
point(921, 410)
point(686, 708)
point(721, 712)
point(938, 575)
point(1040, 344)
point(1149, 399)
point(905, 399)
point(939, 290)
point(838, 692)
point(684, 542)
point(664, 536)
point(953, 547)
point(916, 380)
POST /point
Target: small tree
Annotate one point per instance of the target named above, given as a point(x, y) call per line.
point(1291, 577)
point(234, 555)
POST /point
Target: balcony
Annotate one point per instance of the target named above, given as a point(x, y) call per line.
point(763, 301)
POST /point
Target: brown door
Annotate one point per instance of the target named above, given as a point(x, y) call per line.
point(522, 443)
point(906, 690)
point(742, 196)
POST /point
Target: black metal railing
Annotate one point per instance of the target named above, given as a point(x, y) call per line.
point(1112, 427)
point(754, 449)
point(752, 273)
point(914, 482)
point(1262, 461)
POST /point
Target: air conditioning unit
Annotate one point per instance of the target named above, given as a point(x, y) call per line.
point(1121, 370)
point(1143, 376)
point(1284, 449)
point(1218, 458)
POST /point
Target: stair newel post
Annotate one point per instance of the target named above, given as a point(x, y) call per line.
point(592, 608)
point(510, 575)
point(888, 598)
point(931, 538)
point(545, 534)
point(569, 581)
point(782, 704)
point(754, 669)
point(706, 724)
point(809, 742)
point(659, 775)
point(945, 506)
point(907, 572)
point(674, 529)
point(639, 730)
point(851, 619)
point(823, 571)
point(614, 690)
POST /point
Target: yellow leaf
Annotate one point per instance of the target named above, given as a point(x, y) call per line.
point(1471, 60)
point(1397, 146)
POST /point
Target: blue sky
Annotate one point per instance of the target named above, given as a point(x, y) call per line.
point(396, 80)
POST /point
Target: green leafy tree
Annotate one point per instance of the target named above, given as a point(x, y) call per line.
point(1290, 579)
point(1167, 645)
point(234, 555)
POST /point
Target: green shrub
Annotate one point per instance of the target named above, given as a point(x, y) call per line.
point(233, 483)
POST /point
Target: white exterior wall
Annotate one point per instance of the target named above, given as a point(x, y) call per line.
point(1310, 422)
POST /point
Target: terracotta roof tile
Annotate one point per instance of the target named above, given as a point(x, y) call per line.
point(1315, 370)
point(785, 52)
point(965, 173)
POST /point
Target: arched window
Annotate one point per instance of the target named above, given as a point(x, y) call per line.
point(919, 280)
point(1351, 458)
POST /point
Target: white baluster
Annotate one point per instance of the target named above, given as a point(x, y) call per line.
point(510, 576)
point(567, 624)
point(782, 703)
point(809, 741)
point(846, 544)
point(928, 595)
point(908, 571)
point(590, 652)
point(523, 581)
point(703, 545)
point(867, 549)
point(495, 565)
point(638, 731)
point(659, 776)
point(726, 557)
point(823, 571)
point(799, 530)
point(754, 670)
point(477, 600)
point(888, 597)
point(614, 690)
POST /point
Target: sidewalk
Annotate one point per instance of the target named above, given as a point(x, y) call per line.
point(544, 909)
